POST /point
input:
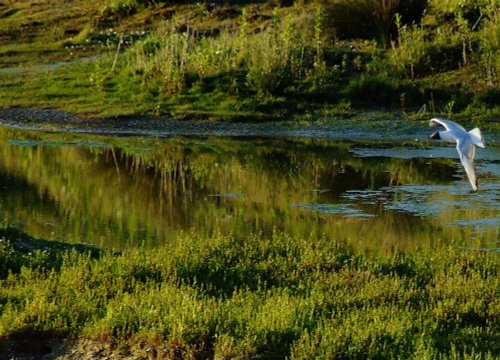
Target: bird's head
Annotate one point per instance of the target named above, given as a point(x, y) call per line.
point(435, 136)
point(434, 122)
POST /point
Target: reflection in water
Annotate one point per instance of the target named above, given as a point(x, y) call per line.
point(115, 192)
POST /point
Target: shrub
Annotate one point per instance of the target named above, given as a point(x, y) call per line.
point(421, 51)
point(370, 19)
point(416, 56)
point(474, 12)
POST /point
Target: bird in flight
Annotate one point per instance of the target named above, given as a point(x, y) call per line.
point(466, 142)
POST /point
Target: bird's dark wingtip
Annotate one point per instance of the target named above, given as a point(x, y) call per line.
point(435, 136)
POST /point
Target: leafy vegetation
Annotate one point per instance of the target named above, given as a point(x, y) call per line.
point(261, 297)
point(248, 59)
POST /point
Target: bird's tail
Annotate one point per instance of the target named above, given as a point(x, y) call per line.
point(477, 137)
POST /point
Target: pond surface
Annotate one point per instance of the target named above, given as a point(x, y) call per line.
point(119, 191)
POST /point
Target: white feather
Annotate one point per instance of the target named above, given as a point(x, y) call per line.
point(477, 137)
point(467, 151)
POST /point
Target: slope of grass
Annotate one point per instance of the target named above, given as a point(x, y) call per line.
point(249, 59)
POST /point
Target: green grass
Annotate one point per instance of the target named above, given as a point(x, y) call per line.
point(256, 297)
point(245, 60)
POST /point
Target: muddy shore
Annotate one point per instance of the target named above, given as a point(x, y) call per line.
point(364, 126)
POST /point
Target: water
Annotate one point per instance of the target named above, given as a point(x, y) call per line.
point(144, 190)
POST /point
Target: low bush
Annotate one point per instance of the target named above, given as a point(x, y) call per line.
point(261, 297)
point(271, 61)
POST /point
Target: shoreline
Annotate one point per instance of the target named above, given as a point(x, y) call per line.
point(372, 125)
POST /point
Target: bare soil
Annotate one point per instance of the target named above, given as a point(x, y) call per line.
point(42, 347)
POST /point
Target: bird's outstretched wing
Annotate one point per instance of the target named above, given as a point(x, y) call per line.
point(467, 151)
point(477, 137)
point(447, 124)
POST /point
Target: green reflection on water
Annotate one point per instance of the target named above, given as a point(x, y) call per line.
point(127, 191)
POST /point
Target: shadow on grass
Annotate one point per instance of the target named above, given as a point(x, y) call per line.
point(19, 249)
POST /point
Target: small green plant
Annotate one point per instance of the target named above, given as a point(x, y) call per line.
point(126, 7)
point(123, 7)
point(448, 110)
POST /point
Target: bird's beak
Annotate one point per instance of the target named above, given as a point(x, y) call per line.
point(435, 136)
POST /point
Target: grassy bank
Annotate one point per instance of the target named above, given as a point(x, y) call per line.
point(253, 59)
point(256, 298)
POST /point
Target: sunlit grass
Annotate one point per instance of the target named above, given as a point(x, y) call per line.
point(262, 297)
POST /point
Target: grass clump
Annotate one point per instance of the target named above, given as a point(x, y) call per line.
point(230, 68)
point(125, 7)
point(268, 298)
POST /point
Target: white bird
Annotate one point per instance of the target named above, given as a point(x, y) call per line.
point(465, 140)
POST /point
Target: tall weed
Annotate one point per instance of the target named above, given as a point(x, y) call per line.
point(275, 60)
point(489, 54)
point(271, 60)
point(410, 48)
point(458, 44)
